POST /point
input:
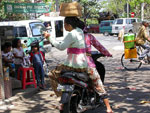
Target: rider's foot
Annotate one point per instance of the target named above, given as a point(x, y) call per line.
point(109, 110)
point(142, 61)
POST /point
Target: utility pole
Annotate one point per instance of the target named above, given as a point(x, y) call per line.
point(57, 6)
point(142, 11)
point(128, 9)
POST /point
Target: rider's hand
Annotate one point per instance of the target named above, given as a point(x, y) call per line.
point(110, 55)
point(46, 35)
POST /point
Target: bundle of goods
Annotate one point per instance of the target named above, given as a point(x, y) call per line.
point(129, 45)
point(70, 9)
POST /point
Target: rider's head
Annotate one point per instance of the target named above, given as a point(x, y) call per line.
point(145, 23)
point(82, 26)
point(71, 23)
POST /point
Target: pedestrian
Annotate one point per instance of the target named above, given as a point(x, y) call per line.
point(121, 35)
point(141, 39)
point(90, 41)
point(18, 54)
point(37, 59)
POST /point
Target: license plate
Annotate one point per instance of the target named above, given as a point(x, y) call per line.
point(67, 88)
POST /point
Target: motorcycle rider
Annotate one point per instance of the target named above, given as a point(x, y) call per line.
point(90, 41)
point(141, 39)
point(75, 44)
point(76, 60)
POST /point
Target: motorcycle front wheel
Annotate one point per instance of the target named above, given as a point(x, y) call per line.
point(72, 105)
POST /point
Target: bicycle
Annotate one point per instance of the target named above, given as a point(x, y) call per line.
point(133, 64)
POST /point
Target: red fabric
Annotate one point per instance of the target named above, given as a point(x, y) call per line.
point(76, 50)
point(31, 54)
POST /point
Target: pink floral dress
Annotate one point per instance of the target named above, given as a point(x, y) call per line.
point(90, 41)
point(98, 85)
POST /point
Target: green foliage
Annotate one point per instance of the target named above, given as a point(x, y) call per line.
point(92, 21)
point(117, 6)
point(10, 16)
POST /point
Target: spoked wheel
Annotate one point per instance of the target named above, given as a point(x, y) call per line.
point(130, 64)
point(72, 105)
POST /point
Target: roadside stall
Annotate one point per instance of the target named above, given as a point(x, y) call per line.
point(7, 34)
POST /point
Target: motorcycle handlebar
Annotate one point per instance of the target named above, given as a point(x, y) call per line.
point(36, 42)
point(95, 55)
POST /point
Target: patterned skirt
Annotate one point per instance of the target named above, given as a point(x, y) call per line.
point(92, 72)
point(55, 73)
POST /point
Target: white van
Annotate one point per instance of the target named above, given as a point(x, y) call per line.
point(56, 26)
point(124, 23)
point(28, 30)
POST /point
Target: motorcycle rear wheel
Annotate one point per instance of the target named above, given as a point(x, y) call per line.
point(72, 105)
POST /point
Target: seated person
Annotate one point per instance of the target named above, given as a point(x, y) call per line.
point(7, 57)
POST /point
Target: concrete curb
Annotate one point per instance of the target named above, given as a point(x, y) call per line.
point(20, 96)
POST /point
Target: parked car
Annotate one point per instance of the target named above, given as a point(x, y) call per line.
point(124, 23)
point(106, 27)
point(93, 28)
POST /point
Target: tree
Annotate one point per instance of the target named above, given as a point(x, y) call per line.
point(136, 7)
point(117, 7)
point(10, 16)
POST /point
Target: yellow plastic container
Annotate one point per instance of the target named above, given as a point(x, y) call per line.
point(130, 53)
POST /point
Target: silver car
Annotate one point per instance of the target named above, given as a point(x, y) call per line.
point(124, 23)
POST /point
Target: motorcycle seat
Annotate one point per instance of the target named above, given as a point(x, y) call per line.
point(82, 76)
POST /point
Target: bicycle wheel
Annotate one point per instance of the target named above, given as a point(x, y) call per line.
point(130, 64)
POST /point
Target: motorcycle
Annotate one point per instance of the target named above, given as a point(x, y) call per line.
point(77, 89)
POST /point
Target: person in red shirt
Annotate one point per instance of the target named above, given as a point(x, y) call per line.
point(37, 58)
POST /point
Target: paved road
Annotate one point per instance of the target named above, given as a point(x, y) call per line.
point(126, 88)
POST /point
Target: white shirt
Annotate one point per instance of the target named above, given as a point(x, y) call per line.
point(8, 55)
point(20, 53)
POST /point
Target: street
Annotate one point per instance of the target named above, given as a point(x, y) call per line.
point(126, 89)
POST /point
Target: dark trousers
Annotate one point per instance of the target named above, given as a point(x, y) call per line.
point(17, 66)
point(39, 72)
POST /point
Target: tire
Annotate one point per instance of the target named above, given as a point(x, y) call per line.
point(111, 34)
point(131, 64)
point(72, 105)
point(106, 33)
